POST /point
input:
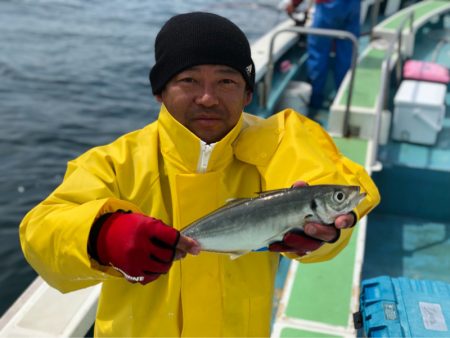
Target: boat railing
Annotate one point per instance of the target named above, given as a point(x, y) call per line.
point(331, 33)
point(395, 45)
point(374, 17)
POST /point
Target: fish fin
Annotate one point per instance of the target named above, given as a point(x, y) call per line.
point(276, 238)
point(236, 254)
point(232, 254)
point(273, 192)
point(235, 201)
point(279, 236)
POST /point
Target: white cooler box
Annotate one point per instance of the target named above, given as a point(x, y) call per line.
point(419, 111)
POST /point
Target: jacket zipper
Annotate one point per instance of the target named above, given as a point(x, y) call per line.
point(205, 154)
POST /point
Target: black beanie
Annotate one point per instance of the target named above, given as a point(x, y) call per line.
point(199, 38)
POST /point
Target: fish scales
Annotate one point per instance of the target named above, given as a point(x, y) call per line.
point(253, 223)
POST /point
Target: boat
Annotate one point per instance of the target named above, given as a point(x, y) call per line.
point(320, 300)
point(407, 235)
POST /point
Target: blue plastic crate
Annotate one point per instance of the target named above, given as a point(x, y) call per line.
point(402, 307)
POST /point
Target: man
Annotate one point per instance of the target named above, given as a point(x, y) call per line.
point(116, 216)
point(329, 14)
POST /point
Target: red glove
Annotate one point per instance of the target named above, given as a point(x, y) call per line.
point(296, 241)
point(140, 247)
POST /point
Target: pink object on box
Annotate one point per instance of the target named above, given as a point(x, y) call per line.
point(426, 71)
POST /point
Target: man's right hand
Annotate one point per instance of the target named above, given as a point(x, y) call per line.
point(140, 247)
point(289, 5)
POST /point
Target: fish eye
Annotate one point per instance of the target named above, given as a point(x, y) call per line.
point(339, 196)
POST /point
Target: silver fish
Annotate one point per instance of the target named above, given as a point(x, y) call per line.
point(250, 224)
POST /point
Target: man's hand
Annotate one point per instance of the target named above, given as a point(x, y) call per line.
point(327, 233)
point(314, 234)
point(289, 5)
point(141, 248)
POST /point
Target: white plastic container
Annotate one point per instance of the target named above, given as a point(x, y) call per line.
point(419, 112)
point(296, 96)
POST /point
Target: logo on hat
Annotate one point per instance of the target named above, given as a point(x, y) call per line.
point(248, 69)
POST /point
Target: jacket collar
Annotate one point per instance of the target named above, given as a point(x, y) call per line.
point(183, 149)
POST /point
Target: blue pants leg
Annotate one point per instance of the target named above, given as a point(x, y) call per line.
point(335, 14)
point(318, 51)
point(344, 47)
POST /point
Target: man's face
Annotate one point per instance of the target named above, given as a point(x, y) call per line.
point(206, 99)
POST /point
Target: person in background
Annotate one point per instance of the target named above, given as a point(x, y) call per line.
point(329, 14)
point(116, 217)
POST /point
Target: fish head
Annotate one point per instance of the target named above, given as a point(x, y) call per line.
point(336, 200)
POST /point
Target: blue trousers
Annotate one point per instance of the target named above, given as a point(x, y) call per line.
point(335, 14)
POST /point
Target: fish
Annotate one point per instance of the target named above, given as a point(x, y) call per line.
point(251, 224)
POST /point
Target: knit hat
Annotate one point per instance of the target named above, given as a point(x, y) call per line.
point(199, 38)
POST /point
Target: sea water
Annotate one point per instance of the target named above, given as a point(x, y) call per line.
point(73, 75)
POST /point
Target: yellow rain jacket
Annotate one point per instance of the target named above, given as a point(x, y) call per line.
point(165, 172)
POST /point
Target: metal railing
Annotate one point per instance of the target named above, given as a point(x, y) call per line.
point(385, 73)
point(331, 33)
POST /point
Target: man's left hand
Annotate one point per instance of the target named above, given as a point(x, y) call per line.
point(314, 234)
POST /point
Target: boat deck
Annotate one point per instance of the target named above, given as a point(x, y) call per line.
point(407, 246)
point(410, 230)
point(437, 156)
point(423, 12)
point(409, 236)
point(406, 236)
